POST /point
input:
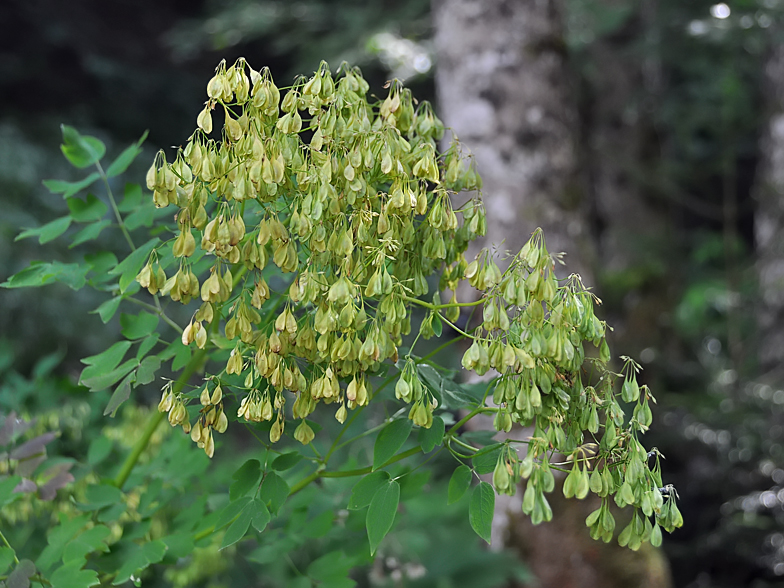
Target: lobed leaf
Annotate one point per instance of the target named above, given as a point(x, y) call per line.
point(81, 150)
point(139, 558)
point(70, 188)
point(86, 211)
point(245, 479)
point(47, 232)
point(125, 158)
point(430, 438)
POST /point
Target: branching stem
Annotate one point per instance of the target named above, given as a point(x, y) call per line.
point(141, 444)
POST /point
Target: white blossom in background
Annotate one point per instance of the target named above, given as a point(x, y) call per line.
point(404, 58)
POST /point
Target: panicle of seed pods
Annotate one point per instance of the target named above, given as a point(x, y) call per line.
point(352, 198)
point(348, 194)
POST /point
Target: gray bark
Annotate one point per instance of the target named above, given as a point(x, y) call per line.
point(502, 88)
point(769, 222)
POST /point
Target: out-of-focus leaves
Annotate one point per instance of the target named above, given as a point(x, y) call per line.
point(20, 577)
point(81, 150)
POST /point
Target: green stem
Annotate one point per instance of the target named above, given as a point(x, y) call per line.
point(468, 417)
point(353, 417)
point(156, 310)
point(133, 457)
point(430, 306)
point(304, 482)
point(464, 445)
point(363, 434)
point(456, 328)
point(113, 203)
point(350, 473)
point(127, 235)
point(8, 545)
point(454, 451)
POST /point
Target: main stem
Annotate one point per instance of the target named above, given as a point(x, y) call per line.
point(130, 462)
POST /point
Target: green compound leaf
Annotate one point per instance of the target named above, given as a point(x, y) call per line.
point(331, 567)
point(138, 558)
point(121, 393)
point(100, 495)
point(86, 211)
point(102, 370)
point(231, 510)
point(136, 326)
point(130, 266)
point(381, 514)
point(480, 510)
point(81, 150)
point(132, 198)
point(89, 233)
point(47, 232)
point(146, 346)
point(101, 381)
point(72, 576)
point(274, 491)
point(390, 440)
point(107, 360)
point(7, 494)
point(364, 490)
point(146, 371)
point(245, 479)
point(6, 559)
point(287, 461)
point(58, 537)
point(40, 273)
point(179, 544)
point(260, 515)
point(125, 158)
point(484, 463)
point(68, 189)
point(100, 448)
point(430, 438)
point(458, 483)
point(89, 541)
point(239, 527)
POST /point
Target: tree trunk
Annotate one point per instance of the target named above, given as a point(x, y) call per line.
point(769, 224)
point(502, 86)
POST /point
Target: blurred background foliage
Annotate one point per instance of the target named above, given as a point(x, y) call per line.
point(685, 304)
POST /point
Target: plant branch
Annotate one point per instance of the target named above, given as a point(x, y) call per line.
point(468, 417)
point(141, 444)
point(8, 545)
point(113, 203)
point(431, 306)
point(157, 310)
point(322, 473)
point(353, 417)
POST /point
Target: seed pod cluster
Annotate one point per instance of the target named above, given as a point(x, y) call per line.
point(534, 333)
point(348, 195)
